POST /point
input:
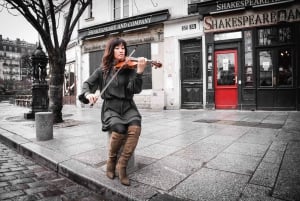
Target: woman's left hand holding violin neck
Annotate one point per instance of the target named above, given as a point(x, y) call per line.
point(141, 65)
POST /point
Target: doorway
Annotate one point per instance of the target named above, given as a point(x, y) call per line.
point(191, 74)
point(226, 88)
point(69, 84)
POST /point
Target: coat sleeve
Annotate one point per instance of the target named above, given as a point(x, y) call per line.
point(135, 84)
point(93, 83)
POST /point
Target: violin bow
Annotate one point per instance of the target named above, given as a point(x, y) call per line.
point(112, 78)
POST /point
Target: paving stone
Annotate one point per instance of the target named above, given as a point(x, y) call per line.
point(256, 193)
point(21, 181)
point(167, 172)
point(287, 188)
point(213, 185)
point(290, 165)
point(165, 197)
point(266, 174)
point(220, 139)
point(247, 149)
point(205, 151)
point(28, 198)
point(36, 190)
point(11, 194)
point(180, 140)
point(157, 151)
point(234, 163)
point(278, 145)
point(4, 170)
point(94, 157)
point(265, 139)
point(7, 178)
point(263, 131)
point(273, 156)
point(288, 183)
point(3, 184)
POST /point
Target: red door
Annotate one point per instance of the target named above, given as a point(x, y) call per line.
point(226, 90)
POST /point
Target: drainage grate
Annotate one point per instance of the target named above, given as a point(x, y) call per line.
point(241, 123)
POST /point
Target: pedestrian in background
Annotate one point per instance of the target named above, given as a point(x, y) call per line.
point(119, 114)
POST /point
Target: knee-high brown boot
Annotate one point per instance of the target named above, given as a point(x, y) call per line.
point(116, 141)
point(128, 149)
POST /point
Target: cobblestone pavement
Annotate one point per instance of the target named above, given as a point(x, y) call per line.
point(23, 180)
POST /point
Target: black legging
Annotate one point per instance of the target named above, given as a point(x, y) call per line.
point(122, 128)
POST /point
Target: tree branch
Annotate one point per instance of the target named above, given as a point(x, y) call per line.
point(52, 16)
point(45, 18)
point(68, 33)
point(23, 8)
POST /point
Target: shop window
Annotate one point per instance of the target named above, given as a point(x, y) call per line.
point(285, 71)
point(266, 69)
point(143, 50)
point(263, 36)
point(274, 35)
point(209, 67)
point(284, 34)
point(248, 70)
point(69, 82)
point(120, 9)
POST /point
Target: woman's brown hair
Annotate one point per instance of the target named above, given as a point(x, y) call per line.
point(108, 57)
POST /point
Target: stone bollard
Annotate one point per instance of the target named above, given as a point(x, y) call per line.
point(44, 126)
point(131, 162)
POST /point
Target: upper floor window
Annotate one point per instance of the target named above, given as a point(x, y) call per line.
point(90, 11)
point(274, 35)
point(120, 9)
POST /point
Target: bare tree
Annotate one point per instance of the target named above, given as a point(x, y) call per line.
point(44, 16)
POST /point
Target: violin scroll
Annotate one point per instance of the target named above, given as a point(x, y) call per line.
point(156, 64)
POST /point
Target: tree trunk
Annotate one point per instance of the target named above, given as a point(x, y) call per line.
point(57, 68)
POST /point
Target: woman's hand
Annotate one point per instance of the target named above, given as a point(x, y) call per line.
point(141, 65)
point(92, 98)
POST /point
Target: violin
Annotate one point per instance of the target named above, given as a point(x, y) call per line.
point(132, 63)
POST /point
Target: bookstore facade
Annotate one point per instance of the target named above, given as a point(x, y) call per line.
point(252, 54)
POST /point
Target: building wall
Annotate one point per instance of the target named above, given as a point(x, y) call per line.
point(264, 36)
point(102, 11)
point(175, 31)
point(11, 52)
point(165, 92)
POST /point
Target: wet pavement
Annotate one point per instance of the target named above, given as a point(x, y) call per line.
point(181, 155)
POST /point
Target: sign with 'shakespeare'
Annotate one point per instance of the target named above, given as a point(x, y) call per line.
point(251, 19)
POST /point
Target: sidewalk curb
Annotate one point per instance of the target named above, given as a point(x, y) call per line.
point(61, 165)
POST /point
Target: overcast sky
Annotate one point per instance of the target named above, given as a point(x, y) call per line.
point(15, 27)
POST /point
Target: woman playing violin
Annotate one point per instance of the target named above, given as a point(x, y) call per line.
point(119, 114)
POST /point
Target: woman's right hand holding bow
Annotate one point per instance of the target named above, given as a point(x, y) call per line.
point(92, 98)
